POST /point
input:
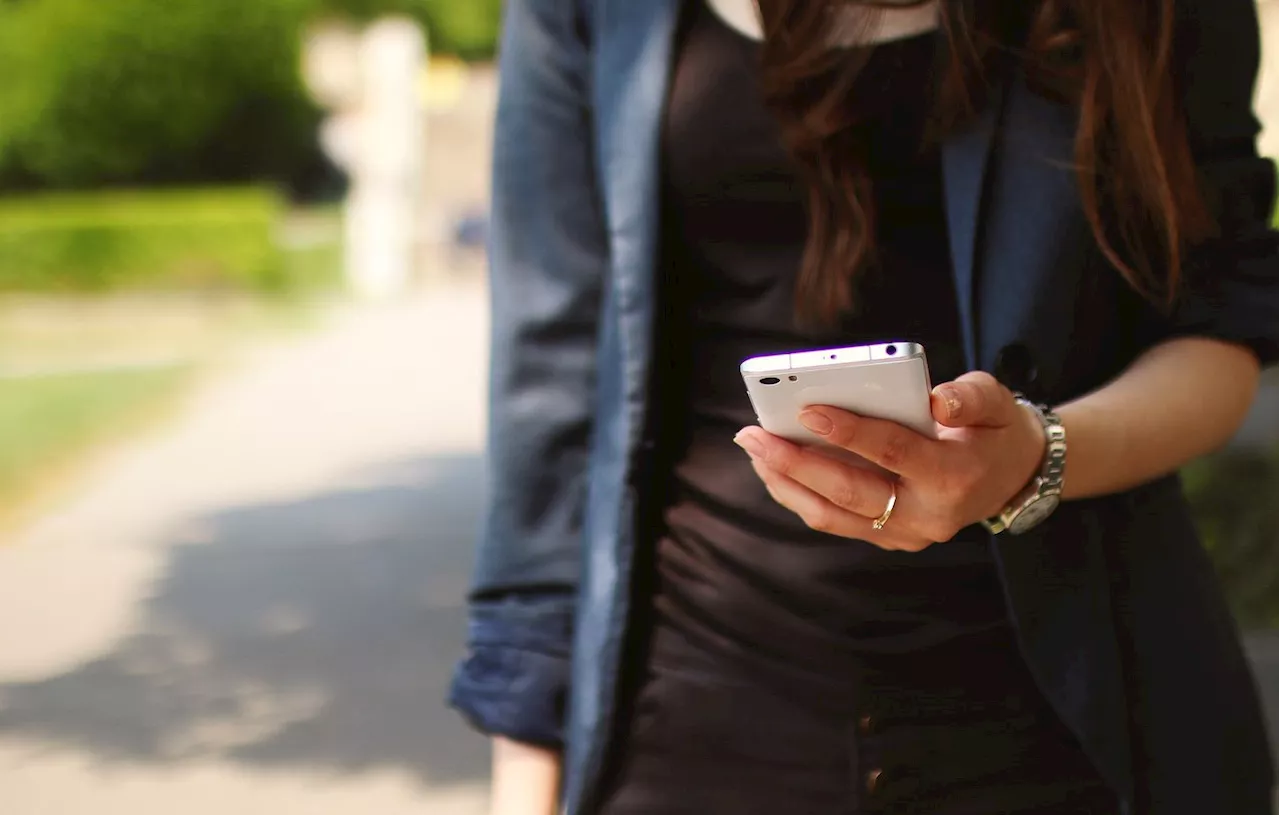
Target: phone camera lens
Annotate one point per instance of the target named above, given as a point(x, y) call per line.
point(770, 380)
point(891, 350)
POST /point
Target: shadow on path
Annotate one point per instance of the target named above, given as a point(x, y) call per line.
point(317, 634)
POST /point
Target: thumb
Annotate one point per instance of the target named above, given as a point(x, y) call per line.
point(975, 399)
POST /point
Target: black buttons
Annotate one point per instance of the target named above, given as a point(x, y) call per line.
point(1015, 367)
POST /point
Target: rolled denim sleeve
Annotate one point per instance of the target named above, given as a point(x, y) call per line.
point(548, 260)
point(515, 680)
point(1231, 287)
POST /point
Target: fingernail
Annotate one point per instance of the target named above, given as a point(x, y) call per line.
point(952, 401)
point(815, 422)
point(752, 445)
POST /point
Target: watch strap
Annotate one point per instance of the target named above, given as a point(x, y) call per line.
point(1048, 480)
point(1054, 466)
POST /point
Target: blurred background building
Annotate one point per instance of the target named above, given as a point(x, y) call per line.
point(242, 363)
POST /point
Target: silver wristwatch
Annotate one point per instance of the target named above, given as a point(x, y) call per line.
point(1041, 497)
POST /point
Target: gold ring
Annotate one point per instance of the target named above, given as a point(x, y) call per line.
point(879, 523)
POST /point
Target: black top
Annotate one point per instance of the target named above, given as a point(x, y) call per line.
point(737, 573)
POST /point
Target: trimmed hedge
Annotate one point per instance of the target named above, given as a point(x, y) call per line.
point(210, 239)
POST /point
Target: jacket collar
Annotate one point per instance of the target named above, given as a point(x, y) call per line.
point(964, 167)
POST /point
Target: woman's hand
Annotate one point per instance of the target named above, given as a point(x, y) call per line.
point(988, 448)
point(526, 779)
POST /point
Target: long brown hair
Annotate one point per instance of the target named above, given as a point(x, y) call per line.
point(1112, 59)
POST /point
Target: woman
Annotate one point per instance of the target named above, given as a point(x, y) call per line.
point(675, 612)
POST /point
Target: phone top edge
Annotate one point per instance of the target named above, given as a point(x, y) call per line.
point(833, 357)
point(767, 364)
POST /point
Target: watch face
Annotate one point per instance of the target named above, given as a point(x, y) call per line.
point(1034, 512)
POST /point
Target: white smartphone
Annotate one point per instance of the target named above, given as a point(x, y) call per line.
point(885, 381)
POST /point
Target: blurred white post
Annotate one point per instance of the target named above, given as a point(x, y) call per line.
point(382, 209)
point(371, 81)
point(1267, 102)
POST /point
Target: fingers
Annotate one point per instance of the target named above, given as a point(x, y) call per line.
point(975, 399)
point(894, 447)
point(821, 515)
point(830, 496)
point(846, 486)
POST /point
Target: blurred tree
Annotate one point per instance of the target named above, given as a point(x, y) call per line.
point(145, 90)
point(150, 91)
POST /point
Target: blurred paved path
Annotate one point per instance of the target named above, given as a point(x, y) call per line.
point(255, 609)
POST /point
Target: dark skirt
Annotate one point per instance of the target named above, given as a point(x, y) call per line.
point(959, 730)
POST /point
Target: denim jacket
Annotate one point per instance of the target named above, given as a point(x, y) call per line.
point(1113, 599)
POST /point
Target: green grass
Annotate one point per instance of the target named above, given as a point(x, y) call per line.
point(1232, 497)
point(50, 422)
point(47, 422)
point(1275, 204)
point(212, 239)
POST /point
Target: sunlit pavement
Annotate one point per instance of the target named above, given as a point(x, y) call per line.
point(255, 607)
